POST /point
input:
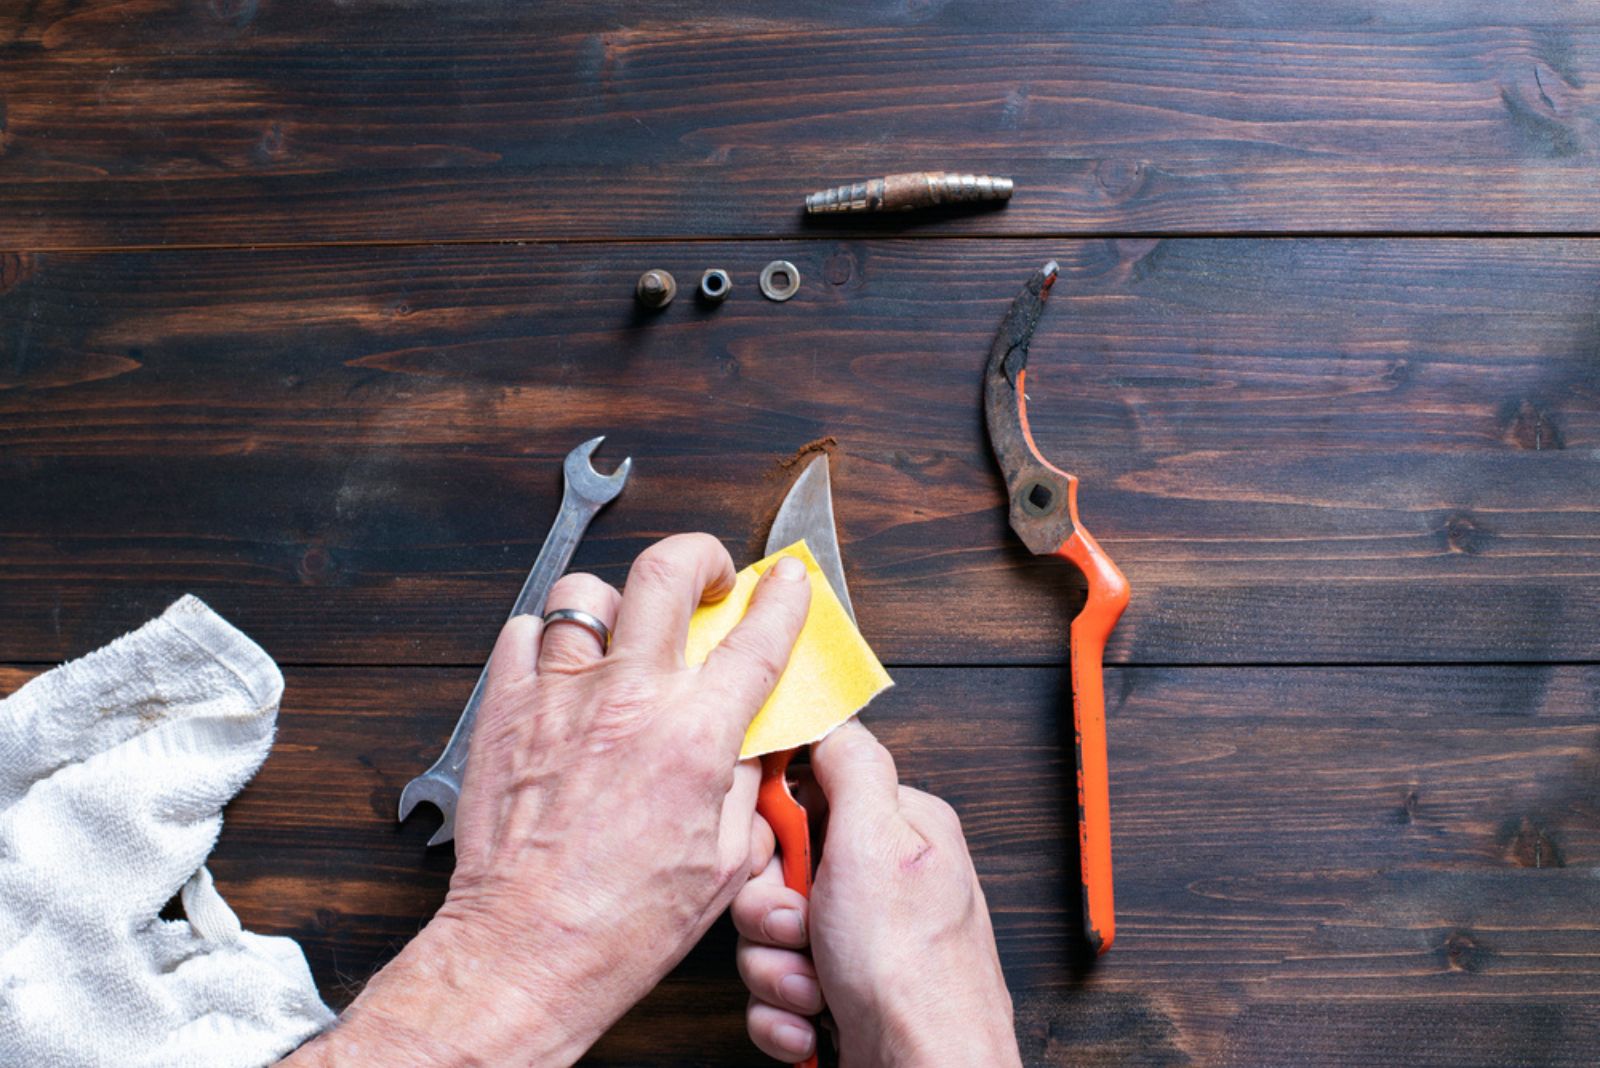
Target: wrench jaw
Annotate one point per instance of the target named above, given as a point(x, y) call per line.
point(432, 788)
point(589, 484)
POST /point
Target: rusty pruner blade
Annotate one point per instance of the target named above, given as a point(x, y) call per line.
point(1044, 513)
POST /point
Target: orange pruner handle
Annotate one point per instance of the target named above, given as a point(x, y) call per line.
point(791, 828)
point(787, 818)
point(1108, 596)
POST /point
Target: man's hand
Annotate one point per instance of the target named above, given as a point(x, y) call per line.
point(897, 925)
point(604, 823)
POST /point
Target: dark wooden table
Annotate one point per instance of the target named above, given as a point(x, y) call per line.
point(300, 305)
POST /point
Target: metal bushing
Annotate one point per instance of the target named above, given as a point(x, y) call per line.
point(779, 280)
point(714, 286)
point(656, 289)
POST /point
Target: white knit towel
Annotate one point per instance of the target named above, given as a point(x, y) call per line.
point(113, 773)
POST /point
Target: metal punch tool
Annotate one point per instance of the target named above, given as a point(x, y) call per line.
point(587, 491)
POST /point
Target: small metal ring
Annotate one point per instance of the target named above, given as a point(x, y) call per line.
point(714, 286)
point(773, 291)
point(591, 623)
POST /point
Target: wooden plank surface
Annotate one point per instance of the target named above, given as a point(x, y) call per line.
point(1304, 855)
point(1355, 707)
point(165, 122)
point(1299, 451)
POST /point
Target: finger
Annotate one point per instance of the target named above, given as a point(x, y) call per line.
point(769, 912)
point(855, 771)
point(665, 585)
point(516, 651)
point(763, 845)
point(738, 835)
point(500, 732)
point(781, 977)
point(780, 1034)
point(747, 663)
point(569, 645)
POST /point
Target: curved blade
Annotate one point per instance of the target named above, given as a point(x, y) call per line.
point(1041, 494)
point(807, 512)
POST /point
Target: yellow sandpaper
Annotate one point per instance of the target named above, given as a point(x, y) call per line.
point(832, 673)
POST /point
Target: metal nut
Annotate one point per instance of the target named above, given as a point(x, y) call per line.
point(655, 289)
point(779, 280)
point(714, 286)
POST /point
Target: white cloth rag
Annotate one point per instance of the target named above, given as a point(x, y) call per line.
point(113, 772)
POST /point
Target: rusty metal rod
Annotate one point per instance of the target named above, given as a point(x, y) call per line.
point(903, 192)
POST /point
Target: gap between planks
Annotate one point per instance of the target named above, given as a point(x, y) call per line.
point(843, 233)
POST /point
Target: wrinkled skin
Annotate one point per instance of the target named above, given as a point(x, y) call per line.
point(606, 820)
point(604, 823)
point(902, 949)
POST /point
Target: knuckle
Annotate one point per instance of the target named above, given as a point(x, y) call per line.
point(694, 540)
point(950, 826)
point(796, 603)
point(939, 813)
point(699, 742)
point(869, 756)
point(695, 754)
point(624, 703)
point(715, 776)
point(577, 586)
point(656, 566)
point(944, 811)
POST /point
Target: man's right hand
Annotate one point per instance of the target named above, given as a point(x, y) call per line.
point(899, 933)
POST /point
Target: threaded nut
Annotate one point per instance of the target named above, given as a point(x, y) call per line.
point(714, 286)
point(656, 289)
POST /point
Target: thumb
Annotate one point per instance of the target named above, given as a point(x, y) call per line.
point(855, 771)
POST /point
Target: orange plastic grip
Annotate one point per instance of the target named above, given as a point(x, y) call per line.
point(1108, 596)
point(787, 817)
point(790, 827)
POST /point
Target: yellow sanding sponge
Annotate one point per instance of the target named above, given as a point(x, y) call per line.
point(832, 673)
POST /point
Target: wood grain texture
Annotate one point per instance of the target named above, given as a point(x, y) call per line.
point(1354, 707)
point(1338, 866)
point(235, 122)
point(1299, 451)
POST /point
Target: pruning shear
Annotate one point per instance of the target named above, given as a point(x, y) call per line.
point(807, 512)
point(1044, 513)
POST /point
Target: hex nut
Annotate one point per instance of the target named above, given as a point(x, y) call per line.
point(779, 280)
point(656, 289)
point(714, 286)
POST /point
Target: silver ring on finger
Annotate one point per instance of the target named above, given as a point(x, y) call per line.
point(589, 622)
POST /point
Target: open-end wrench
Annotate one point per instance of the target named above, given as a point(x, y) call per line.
point(587, 491)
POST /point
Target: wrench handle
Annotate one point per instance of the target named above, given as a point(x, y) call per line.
point(790, 826)
point(551, 564)
point(1108, 596)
